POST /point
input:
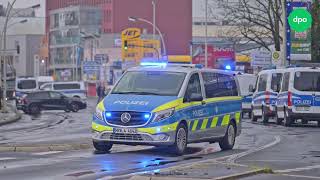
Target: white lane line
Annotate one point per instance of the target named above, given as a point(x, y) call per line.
point(301, 176)
point(46, 153)
point(7, 158)
point(234, 157)
point(298, 169)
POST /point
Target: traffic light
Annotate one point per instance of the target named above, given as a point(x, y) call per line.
point(125, 45)
point(18, 49)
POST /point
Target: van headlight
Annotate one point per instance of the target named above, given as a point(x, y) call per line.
point(98, 113)
point(159, 116)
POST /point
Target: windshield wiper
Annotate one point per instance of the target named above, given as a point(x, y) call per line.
point(135, 92)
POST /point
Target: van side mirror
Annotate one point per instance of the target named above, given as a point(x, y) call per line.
point(195, 97)
point(251, 89)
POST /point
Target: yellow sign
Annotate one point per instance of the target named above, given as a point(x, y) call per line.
point(134, 48)
point(276, 55)
point(180, 59)
point(130, 34)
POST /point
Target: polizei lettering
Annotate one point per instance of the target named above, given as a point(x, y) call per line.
point(141, 103)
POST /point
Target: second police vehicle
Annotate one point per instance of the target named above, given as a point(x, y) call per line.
point(169, 105)
point(299, 97)
point(265, 94)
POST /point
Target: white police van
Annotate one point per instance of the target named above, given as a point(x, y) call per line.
point(70, 89)
point(246, 82)
point(265, 94)
point(299, 97)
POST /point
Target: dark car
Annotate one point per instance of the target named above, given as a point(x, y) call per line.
point(35, 102)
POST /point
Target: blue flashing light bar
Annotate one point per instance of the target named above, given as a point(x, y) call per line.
point(159, 64)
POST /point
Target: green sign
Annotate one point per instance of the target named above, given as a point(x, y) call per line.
point(300, 20)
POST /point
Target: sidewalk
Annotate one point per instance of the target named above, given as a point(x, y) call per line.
point(12, 116)
point(203, 171)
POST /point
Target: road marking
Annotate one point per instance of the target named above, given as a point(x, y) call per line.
point(301, 176)
point(234, 157)
point(298, 169)
point(7, 158)
point(46, 153)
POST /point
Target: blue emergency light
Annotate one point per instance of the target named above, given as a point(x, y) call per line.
point(228, 67)
point(146, 116)
point(108, 114)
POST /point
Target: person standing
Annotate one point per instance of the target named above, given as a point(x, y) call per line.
point(100, 91)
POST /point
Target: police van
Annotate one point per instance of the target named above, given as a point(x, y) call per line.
point(246, 82)
point(299, 97)
point(265, 94)
point(169, 105)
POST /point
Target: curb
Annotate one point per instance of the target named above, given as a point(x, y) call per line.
point(246, 174)
point(230, 177)
point(12, 119)
point(44, 148)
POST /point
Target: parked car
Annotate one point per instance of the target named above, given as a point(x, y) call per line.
point(35, 102)
point(70, 89)
point(265, 94)
point(299, 97)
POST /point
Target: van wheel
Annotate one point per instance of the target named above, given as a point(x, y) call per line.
point(250, 114)
point(67, 110)
point(74, 107)
point(34, 109)
point(318, 123)
point(227, 142)
point(279, 120)
point(180, 144)
point(287, 119)
point(254, 118)
point(102, 146)
point(265, 117)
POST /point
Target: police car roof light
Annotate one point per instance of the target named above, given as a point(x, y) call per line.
point(228, 67)
point(157, 64)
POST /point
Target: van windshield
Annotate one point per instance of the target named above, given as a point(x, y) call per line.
point(150, 83)
point(27, 84)
point(307, 81)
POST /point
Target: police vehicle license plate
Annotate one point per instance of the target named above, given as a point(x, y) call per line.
point(125, 131)
point(303, 108)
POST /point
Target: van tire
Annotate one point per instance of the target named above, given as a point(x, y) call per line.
point(228, 141)
point(102, 146)
point(287, 119)
point(250, 114)
point(304, 121)
point(265, 117)
point(254, 118)
point(278, 120)
point(319, 124)
point(181, 140)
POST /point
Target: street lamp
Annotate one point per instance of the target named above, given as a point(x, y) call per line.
point(135, 19)
point(4, 49)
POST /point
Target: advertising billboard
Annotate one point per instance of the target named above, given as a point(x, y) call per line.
point(219, 54)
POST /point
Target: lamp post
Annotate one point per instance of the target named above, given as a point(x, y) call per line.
point(135, 19)
point(206, 35)
point(154, 18)
point(5, 28)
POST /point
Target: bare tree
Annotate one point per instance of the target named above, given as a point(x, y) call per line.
point(256, 21)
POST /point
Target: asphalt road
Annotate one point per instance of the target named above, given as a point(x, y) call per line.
point(294, 152)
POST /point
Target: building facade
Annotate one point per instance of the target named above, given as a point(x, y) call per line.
point(174, 18)
point(66, 42)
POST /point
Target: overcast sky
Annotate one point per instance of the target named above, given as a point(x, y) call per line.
point(40, 12)
point(198, 6)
